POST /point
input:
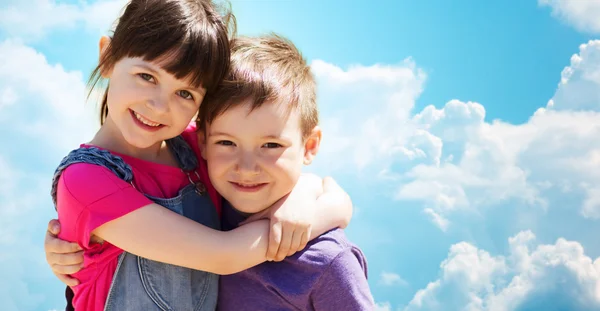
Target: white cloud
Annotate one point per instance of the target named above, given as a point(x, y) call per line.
point(529, 278)
point(392, 279)
point(578, 87)
point(356, 104)
point(45, 118)
point(384, 306)
point(32, 20)
point(48, 103)
point(22, 217)
point(450, 158)
point(582, 15)
point(7, 97)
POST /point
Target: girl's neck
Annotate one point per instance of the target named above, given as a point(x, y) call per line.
point(110, 137)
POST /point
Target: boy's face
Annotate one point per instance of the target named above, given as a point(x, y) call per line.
point(255, 158)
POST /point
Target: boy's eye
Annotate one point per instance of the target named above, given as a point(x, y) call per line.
point(146, 77)
point(225, 143)
point(186, 94)
point(272, 145)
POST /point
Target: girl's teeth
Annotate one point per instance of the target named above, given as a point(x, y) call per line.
point(141, 119)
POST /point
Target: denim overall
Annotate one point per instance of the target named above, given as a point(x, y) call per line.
point(142, 284)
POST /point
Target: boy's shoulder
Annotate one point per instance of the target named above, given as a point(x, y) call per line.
point(324, 249)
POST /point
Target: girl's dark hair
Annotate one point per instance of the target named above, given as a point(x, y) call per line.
point(188, 37)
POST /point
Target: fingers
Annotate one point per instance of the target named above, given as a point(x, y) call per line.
point(52, 244)
point(69, 281)
point(304, 238)
point(274, 240)
point(65, 270)
point(54, 227)
point(55, 259)
point(286, 242)
point(296, 243)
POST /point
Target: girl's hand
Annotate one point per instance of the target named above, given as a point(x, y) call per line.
point(313, 203)
point(63, 257)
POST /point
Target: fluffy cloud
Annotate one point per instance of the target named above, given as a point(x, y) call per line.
point(385, 306)
point(450, 158)
point(356, 104)
point(391, 279)
point(578, 87)
point(42, 116)
point(583, 15)
point(44, 106)
point(530, 277)
point(31, 20)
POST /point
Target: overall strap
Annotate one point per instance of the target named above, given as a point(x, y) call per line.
point(184, 154)
point(92, 155)
point(187, 160)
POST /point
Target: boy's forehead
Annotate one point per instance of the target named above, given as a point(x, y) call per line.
point(271, 114)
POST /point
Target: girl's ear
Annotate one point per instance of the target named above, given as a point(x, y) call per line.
point(102, 46)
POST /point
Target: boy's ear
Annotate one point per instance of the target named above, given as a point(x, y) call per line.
point(102, 46)
point(312, 144)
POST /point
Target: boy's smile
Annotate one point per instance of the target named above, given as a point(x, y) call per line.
point(255, 157)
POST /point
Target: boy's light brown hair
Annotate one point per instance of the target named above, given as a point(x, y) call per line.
point(264, 69)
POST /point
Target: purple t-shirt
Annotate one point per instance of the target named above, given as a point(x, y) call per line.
point(329, 274)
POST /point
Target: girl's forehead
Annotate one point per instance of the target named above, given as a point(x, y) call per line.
point(159, 67)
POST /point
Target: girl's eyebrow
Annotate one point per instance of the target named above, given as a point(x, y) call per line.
point(147, 67)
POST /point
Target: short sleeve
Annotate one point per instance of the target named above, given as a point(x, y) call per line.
point(89, 196)
point(343, 285)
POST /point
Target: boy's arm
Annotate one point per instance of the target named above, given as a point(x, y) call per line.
point(343, 285)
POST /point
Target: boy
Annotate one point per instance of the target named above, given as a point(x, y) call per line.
point(261, 127)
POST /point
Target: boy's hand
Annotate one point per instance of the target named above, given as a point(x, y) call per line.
point(292, 218)
point(63, 257)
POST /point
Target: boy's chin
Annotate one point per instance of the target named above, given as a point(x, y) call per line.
point(247, 207)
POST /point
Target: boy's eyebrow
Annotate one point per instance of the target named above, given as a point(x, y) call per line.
point(274, 136)
point(211, 133)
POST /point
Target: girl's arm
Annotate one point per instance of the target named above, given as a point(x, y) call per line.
point(314, 207)
point(156, 233)
point(159, 234)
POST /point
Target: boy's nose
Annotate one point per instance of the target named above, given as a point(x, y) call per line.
point(247, 165)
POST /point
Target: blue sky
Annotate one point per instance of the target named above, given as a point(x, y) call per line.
point(466, 133)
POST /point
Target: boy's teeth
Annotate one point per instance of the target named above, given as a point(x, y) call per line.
point(141, 119)
point(248, 185)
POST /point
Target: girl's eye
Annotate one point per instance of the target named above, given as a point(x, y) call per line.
point(272, 145)
point(146, 77)
point(186, 95)
point(225, 143)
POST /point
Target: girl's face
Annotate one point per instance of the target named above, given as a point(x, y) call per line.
point(147, 104)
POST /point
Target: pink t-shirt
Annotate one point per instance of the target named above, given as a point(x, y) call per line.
point(89, 196)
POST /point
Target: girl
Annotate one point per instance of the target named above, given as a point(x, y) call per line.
point(136, 199)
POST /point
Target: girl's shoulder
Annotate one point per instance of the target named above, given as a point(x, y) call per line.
point(88, 183)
